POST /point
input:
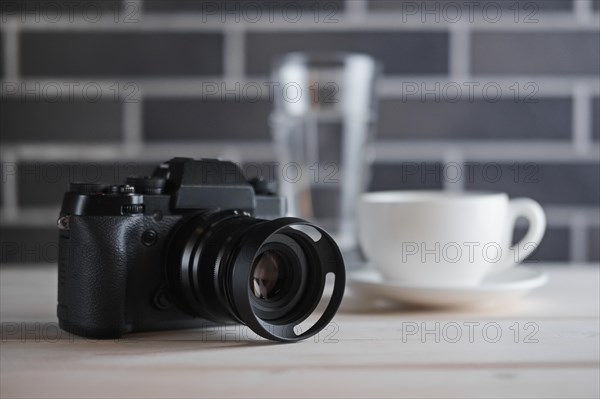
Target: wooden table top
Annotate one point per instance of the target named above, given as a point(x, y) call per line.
point(549, 347)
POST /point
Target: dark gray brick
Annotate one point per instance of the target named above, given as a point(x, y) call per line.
point(560, 184)
point(268, 170)
point(536, 52)
point(326, 202)
point(524, 6)
point(43, 184)
point(406, 176)
point(7, 169)
point(230, 8)
point(594, 244)
point(554, 247)
point(194, 119)
point(547, 119)
point(38, 121)
point(596, 118)
point(43, 121)
point(399, 52)
point(330, 143)
point(28, 245)
point(120, 54)
point(55, 10)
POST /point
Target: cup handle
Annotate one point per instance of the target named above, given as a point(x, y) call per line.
point(534, 213)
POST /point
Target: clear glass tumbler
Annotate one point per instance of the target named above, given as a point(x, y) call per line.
point(324, 115)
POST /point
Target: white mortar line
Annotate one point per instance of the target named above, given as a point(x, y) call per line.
point(537, 86)
point(233, 53)
point(582, 119)
point(578, 237)
point(583, 10)
point(389, 21)
point(132, 126)
point(389, 87)
point(151, 152)
point(558, 217)
point(488, 151)
point(356, 9)
point(11, 49)
point(32, 217)
point(386, 151)
point(459, 51)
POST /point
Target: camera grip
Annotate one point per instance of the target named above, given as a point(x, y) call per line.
point(93, 275)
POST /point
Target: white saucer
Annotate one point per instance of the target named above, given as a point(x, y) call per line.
point(503, 286)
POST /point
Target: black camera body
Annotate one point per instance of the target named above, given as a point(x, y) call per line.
point(178, 250)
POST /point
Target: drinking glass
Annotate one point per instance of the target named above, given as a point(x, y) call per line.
point(323, 118)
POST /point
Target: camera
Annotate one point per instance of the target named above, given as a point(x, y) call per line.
point(194, 245)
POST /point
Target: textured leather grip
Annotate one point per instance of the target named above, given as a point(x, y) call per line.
point(93, 274)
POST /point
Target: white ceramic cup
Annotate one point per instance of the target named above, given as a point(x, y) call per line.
point(440, 238)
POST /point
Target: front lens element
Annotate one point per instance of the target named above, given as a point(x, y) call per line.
point(268, 275)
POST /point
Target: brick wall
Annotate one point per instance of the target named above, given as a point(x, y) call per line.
point(499, 95)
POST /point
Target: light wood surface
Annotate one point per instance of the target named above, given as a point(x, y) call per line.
point(362, 354)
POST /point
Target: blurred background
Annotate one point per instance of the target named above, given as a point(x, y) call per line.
point(494, 95)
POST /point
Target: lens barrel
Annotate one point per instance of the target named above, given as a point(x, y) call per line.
point(270, 275)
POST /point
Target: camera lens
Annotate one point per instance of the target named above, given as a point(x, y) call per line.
point(269, 275)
